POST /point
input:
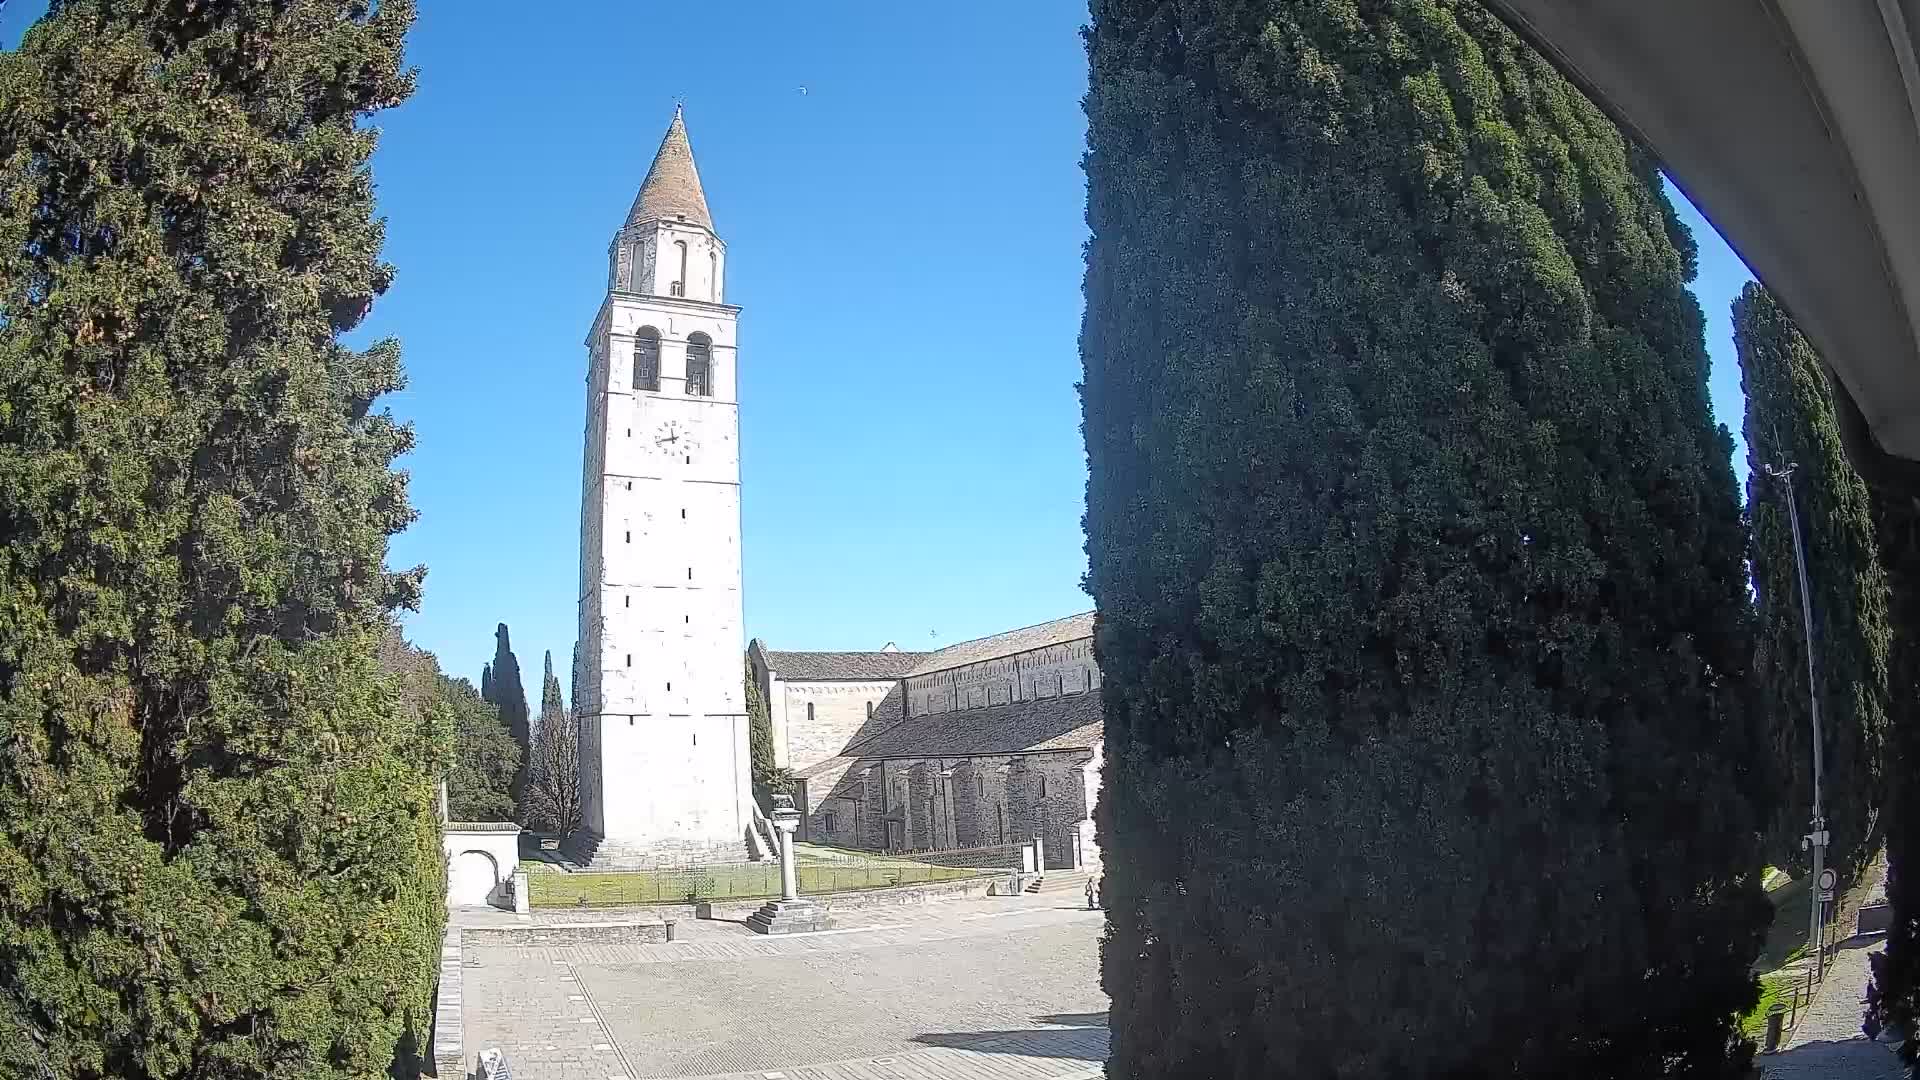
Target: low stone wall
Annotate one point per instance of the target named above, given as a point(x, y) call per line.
point(449, 1055)
point(605, 931)
point(896, 896)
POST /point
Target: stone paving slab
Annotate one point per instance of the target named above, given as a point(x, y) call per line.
point(978, 990)
point(1077, 1056)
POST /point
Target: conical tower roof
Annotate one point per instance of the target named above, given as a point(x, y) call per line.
point(672, 188)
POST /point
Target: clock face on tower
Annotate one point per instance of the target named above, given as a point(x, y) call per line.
point(673, 440)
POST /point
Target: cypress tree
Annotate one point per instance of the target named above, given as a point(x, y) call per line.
point(486, 683)
point(550, 702)
point(512, 701)
point(1790, 418)
point(759, 735)
point(219, 849)
point(1418, 561)
point(552, 800)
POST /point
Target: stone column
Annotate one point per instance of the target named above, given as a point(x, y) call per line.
point(949, 835)
point(792, 913)
point(785, 821)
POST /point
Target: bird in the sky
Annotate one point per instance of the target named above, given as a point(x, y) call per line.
point(803, 91)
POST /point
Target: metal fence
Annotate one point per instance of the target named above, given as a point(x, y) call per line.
point(818, 870)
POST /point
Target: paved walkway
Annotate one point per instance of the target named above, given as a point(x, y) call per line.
point(992, 988)
point(1827, 1043)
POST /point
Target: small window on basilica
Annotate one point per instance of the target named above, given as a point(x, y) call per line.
point(869, 710)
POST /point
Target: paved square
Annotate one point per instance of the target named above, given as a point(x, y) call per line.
point(1006, 988)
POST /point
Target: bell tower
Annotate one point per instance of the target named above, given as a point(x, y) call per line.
point(663, 729)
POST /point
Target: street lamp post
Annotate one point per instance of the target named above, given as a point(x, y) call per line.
point(1817, 837)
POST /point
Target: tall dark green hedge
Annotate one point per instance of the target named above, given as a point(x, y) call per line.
point(1418, 560)
point(219, 854)
point(1790, 418)
point(1894, 996)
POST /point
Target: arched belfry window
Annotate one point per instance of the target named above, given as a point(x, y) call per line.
point(646, 359)
point(699, 366)
point(680, 282)
point(713, 276)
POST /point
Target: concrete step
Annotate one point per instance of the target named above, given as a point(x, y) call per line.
point(592, 853)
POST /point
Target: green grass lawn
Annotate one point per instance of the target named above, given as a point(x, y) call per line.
point(1774, 987)
point(1787, 936)
point(744, 881)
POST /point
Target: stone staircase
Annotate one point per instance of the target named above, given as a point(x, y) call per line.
point(1059, 881)
point(762, 845)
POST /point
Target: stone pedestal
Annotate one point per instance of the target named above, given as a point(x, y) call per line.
point(789, 917)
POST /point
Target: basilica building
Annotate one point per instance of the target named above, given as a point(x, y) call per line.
point(992, 741)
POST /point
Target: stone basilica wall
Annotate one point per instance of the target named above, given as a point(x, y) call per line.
point(812, 721)
point(905, 804)
point(1066, 668)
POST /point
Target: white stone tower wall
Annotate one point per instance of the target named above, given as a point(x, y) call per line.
point(662, 620)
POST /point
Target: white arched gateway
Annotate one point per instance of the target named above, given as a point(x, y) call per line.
point(481, 858)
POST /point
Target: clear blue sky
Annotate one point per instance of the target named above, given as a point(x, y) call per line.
point(904, 237)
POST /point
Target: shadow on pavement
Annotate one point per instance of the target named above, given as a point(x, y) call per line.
point(1862, 941)
point(1851, 1059)
point(1067, 1043)
point(1098, 1019)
